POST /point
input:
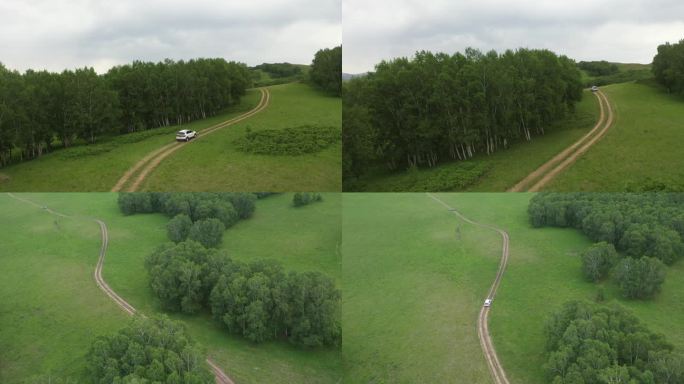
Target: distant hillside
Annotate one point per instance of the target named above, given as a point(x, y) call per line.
point(278, 73)
point(349, 76)
point(618, 72)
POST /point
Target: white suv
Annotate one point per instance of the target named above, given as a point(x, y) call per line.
point(488, 302)
point(185, 135)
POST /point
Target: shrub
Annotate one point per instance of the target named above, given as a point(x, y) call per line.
point(597, 261)
point(303, 198)
point(178, 228)
point(640, 278)
point(291, 141)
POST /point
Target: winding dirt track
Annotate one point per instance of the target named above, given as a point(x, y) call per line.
point(549, 170)
point(221, 377)
point(495, 368)
point(135, 175)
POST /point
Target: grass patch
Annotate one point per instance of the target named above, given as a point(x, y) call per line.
point(291, 141)
point(642, 151)
point(132, 238)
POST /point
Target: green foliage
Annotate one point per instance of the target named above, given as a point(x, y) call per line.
point(639, 278)
point(668, 66)
point(279, 70)
point(637, 224)
point(207, 232)
point(178, 228)
point(326, 70)
point(132, 203)
point(588, 343)
point(292, 141)
point(257, 300)
point(598, 260)
point(598, 68)
point(304, 198)
point(148, 350)
point(437, 107)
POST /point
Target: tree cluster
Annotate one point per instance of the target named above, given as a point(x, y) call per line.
point(668, 66)
point(257, 300)
point(647, 228)
point(280, 70)
point(304, 198)
point(598, 68)
point(588, 343)
point(436, 107)
point(202, 217)
point(40, 110)
point(148, 350)
point(326, 70)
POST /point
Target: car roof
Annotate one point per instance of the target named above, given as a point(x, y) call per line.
point(183, 130)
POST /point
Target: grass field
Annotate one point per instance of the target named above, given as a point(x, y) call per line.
point(412, 290)
point(50, 307)
point(69, 170)
point(643, 149)
point(504, 168)
point(132, 238)
point(544, 272)
point(215, 164)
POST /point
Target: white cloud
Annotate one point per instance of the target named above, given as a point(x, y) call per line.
point(614, 30)
point(58, 34)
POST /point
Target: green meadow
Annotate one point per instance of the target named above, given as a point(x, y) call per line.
point(415, 277)
point(215, 163)
point(641, 151)
point(132, 238)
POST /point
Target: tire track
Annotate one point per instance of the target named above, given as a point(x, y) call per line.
point(220, 376)
point(549, 170)
point(148, 163)
point(495, 367)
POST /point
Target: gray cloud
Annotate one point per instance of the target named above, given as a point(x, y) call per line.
point(614, 30)
point(58, 34)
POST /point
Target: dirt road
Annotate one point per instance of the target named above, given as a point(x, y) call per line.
point(495, 368)
point(536, 180)
point(221, 377)
point(135, 175)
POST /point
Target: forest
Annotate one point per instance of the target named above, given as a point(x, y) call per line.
point(647, 230)
point(41, 110)
point(668, 66)
point(437, 107)
point(588, 343)
point(259, 300)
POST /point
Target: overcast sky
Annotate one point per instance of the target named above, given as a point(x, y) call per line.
point(613, 30)
point(59, 34)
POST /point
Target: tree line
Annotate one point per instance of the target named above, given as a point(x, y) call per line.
point(41, 110)
point(435, 106)
point(598, 68)
point(326, 70)
point(588, 343)
point(148, 350)
point(647, 228)
point(256, 300)
point(668, 66)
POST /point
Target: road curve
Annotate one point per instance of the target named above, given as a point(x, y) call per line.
point(135, 175)
point(495, 367)
point(550, 169)
point(221, 377)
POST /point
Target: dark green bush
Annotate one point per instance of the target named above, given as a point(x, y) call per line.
point(289, 141)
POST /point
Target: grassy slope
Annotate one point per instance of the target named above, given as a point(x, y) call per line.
point(543, 273)
point(412, 291)
point(511, 165)
point(642, 147)
point(56, 172)
point(50, 307)
point(215, 164)
point(132, 238)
